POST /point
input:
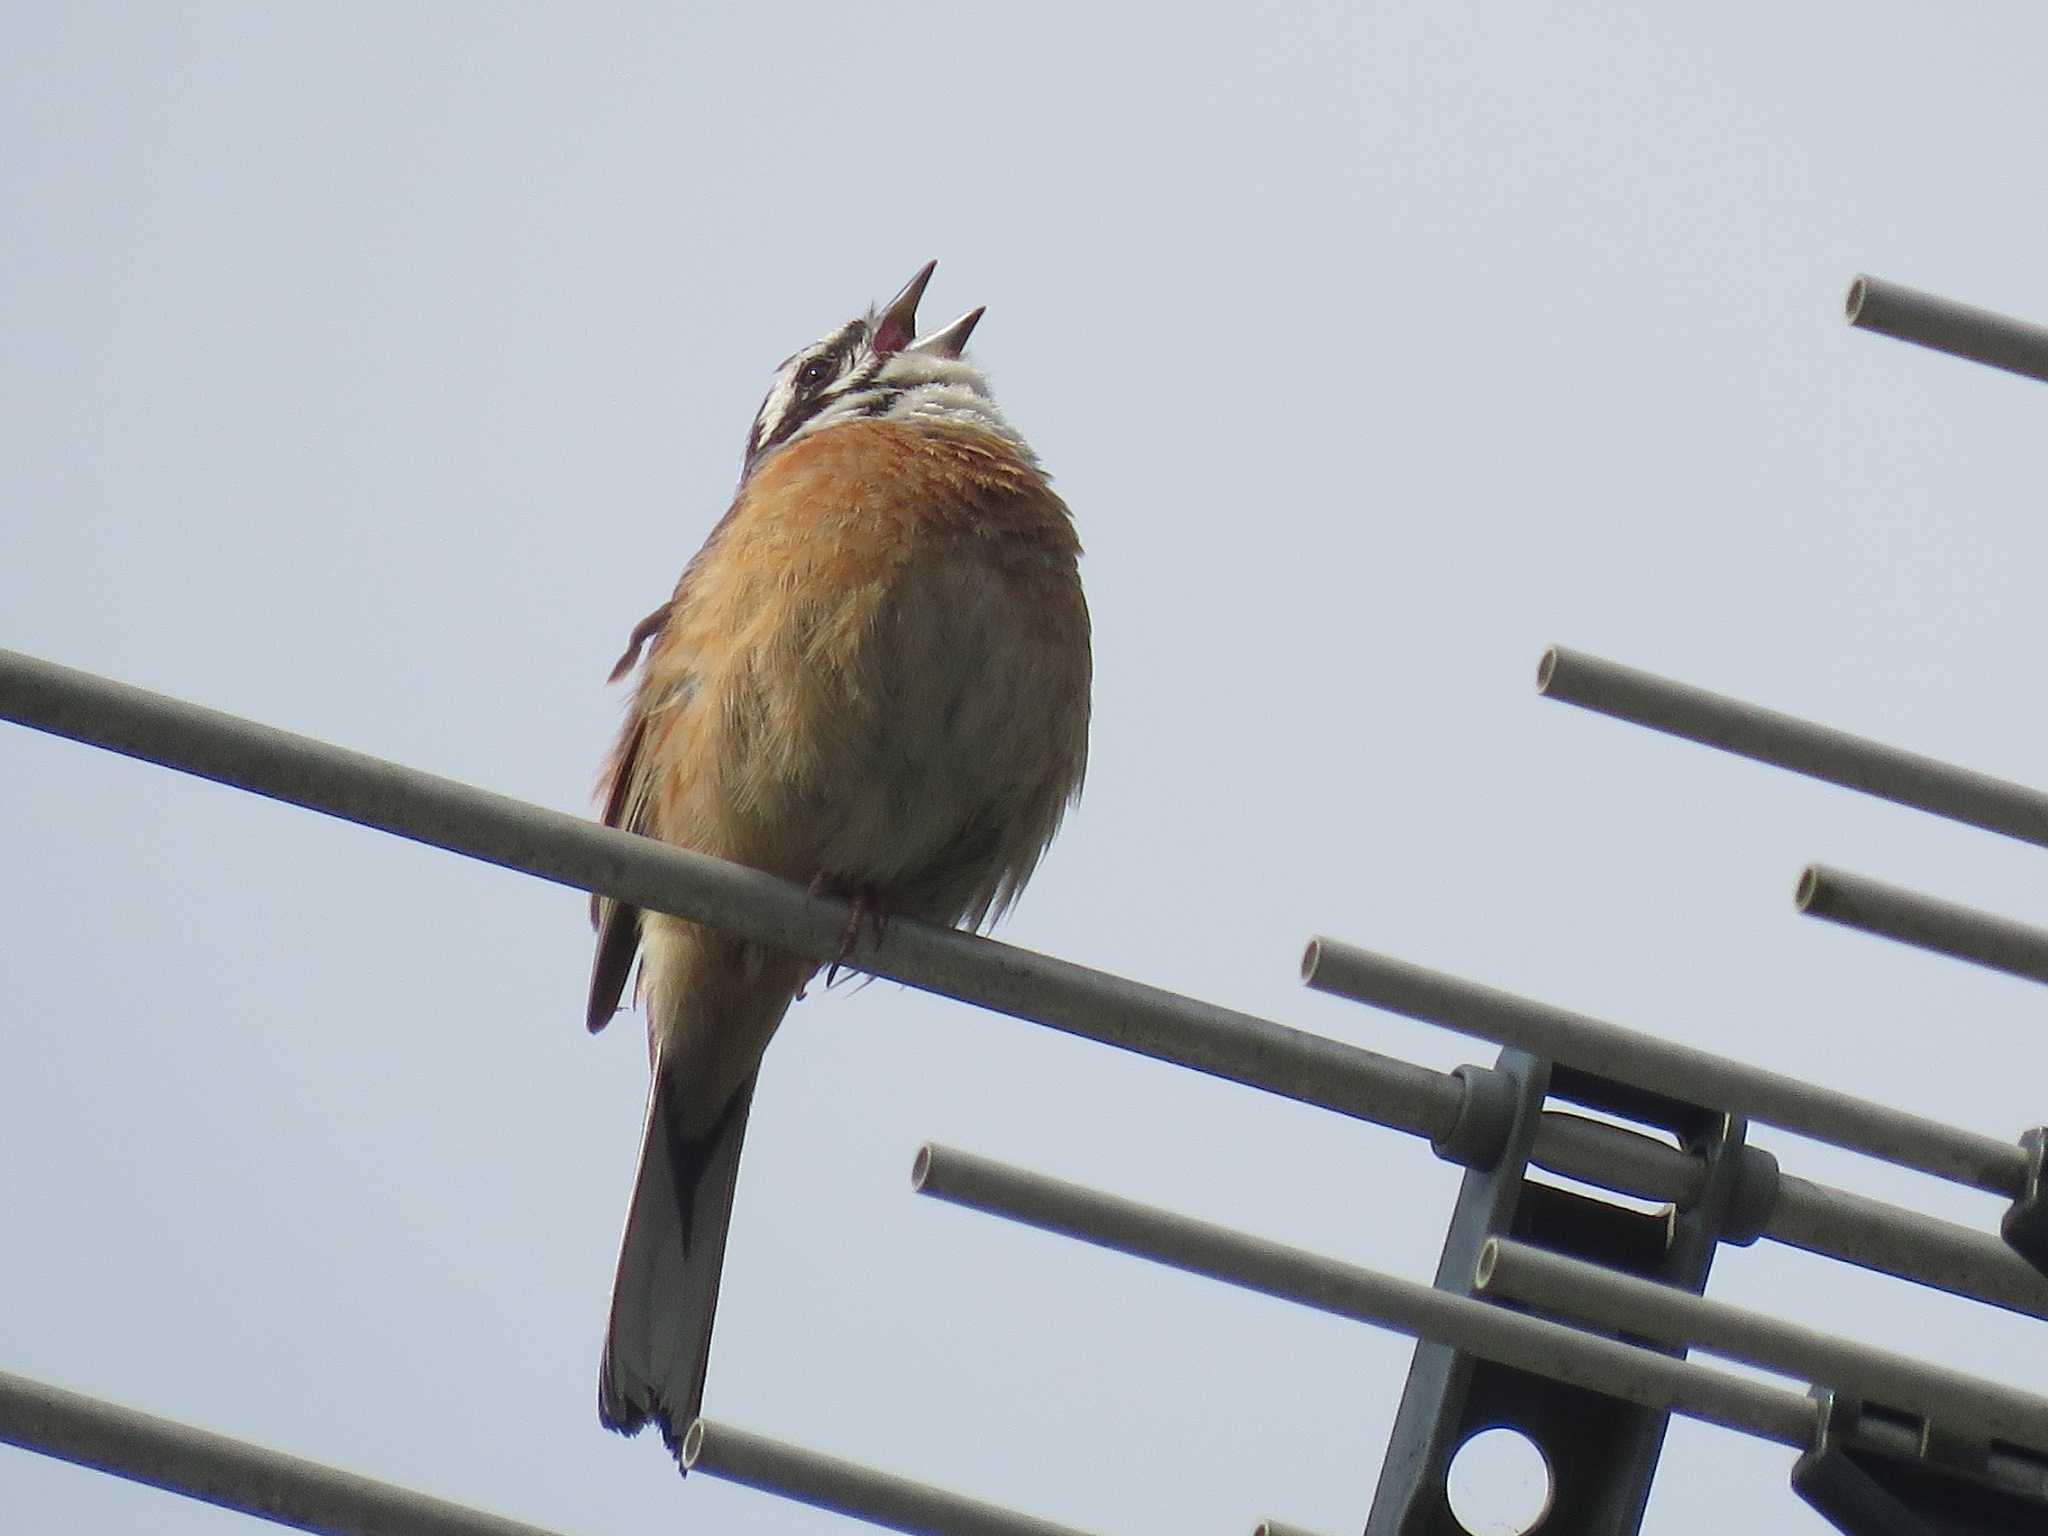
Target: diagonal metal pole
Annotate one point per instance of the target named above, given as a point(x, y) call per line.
point(1925, 922)
point(1093, 1005)
point(1961, 330)
point(233, 1474)
point(1786, 741)
point(846, 1488)
point(1681, 1071)
point(1592, 1360)
point(1628, 1304)
point(572, 851)
point(1346, 1290)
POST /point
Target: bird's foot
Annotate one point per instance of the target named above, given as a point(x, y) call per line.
point(864, 910)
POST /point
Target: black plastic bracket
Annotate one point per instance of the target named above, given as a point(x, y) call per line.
point(1875, 1472)
point(2025, 1224)
point(1601, 1451)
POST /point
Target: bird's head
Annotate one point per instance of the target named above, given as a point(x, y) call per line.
point(876, 365)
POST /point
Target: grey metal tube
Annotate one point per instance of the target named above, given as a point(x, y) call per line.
point(1281, 1528)
point(1964, 933)
point(1694, 1076)
point(1907, 1245)
point(845, 1488)
point(1071, 998)
point(1785, 741)
point(1292, 1274)
point(1612, 1158)
point(1608, 1299)
point(1834, 1223)
point(1961, 330)
point(571, 851)
point(230, 1473)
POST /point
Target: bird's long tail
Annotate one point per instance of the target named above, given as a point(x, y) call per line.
point(659, 1342)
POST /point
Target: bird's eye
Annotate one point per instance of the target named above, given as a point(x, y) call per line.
point(814, 373)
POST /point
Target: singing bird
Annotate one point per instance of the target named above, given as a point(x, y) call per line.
point(873, 680)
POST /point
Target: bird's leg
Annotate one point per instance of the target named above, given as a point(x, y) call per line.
point(864, 909)
point(821, 885)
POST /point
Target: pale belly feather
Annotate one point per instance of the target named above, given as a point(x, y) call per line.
point(948, 752)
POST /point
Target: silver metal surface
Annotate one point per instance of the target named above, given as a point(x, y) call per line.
point(1695, 1076)
point(1611, 1157)
point(229, 1473)
point(1890, 912)
point(1907, 778)
point(1091, 1004)
point(1961, 330)
point(1818, 1218)
point(845, 1488)
point(1906, 1245)
point(1292, 1274)
point(1609, 1299)
point(571, 851)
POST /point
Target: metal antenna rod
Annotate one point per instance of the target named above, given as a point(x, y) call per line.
point(1786, 741)
point(1039, 988)
point(1681, 1071)
point(1592, 1360)
point(1961, 330)
point(570, 850)
point(1293, 1274)
point(232, 1474)
point(1963, 933)
point(845, 1488)
point(1608, 1299)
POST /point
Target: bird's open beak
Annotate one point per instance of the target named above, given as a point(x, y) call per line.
point(898, 322)
point(951, 341)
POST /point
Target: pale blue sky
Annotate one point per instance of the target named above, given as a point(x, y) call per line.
point(369, 370)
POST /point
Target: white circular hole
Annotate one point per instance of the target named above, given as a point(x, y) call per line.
point(1499, 1484)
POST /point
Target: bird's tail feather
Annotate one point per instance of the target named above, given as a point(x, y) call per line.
point(659, 1342)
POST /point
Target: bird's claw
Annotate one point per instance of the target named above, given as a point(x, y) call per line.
point(864, 910)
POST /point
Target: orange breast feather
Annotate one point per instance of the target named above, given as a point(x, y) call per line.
point(754, 672)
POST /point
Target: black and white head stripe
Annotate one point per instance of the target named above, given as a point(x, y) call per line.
point(868, 368)
point(805, 382)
